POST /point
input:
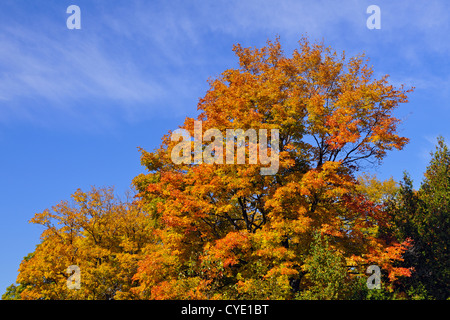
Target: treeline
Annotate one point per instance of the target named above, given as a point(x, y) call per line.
point(310, 230)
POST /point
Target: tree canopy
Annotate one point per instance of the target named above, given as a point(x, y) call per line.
point(225, 231)
point(222, 230)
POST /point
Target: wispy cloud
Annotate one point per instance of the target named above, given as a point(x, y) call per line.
point(140, 53)
point(58, 69)
point(34, 64)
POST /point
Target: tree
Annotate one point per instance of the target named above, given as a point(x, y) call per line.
point(100, 234)
point(434, 225)
point(225, 230)
point(424, 216)
point(326, 273)
point(380, 192)
point(12, 292)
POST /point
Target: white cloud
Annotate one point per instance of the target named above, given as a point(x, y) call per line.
point(34, 64)
point(136, 53)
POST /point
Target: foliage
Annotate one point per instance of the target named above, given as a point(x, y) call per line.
point(424, 216)
point(103, 236)
point(380, 192)
point(326, 273)
point(13, 292)
point(200, 230)
point(225, 231)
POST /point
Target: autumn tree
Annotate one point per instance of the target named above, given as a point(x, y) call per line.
point(380, 192)
point(224, 230)
point(101, 234)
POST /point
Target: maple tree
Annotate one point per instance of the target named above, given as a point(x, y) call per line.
point(99, 233)
point(226, 231)
point(380, 192)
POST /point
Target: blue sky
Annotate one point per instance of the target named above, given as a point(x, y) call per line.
point(76, 104)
